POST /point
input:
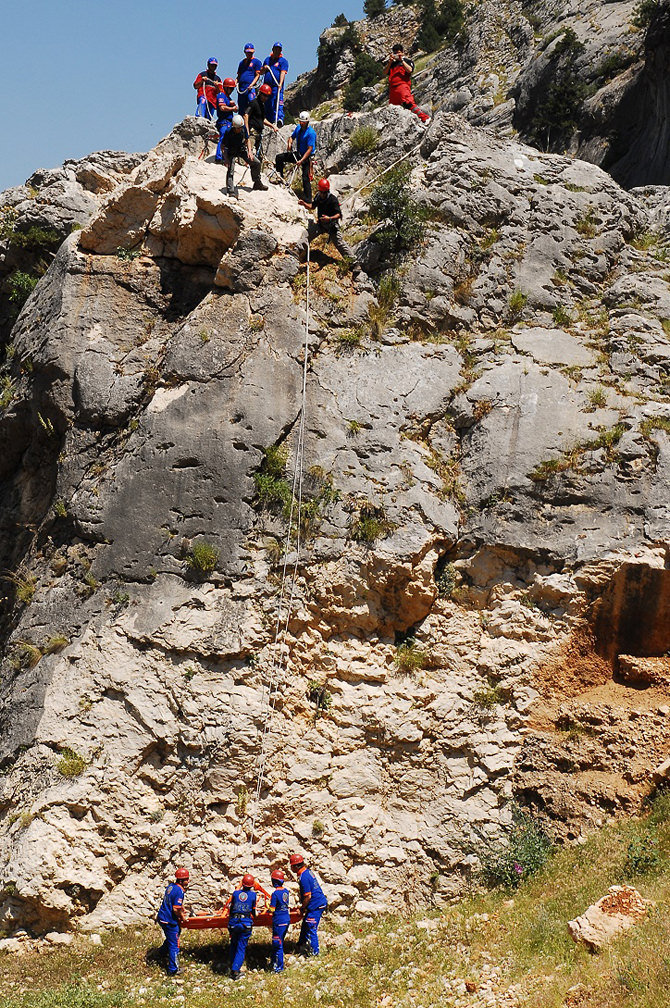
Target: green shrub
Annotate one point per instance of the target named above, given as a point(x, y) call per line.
point(446, 579)
point(373, 8)
point(71, 764)
point(19, 287)
point(645, 11)
point(370, 524)
point(517, 303)
point(487, 697)
point(524, 852)
point(363, 140)
point(403, 219)
point(561, 316)
point(366, 72)
point(202, 558)
point(440, 23)
point(642, 857)
point(339, 21)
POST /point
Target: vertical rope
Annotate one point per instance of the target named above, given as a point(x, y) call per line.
point(280, 659)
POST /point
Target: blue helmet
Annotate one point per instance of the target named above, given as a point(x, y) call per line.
point(277, 45)
point(212, 61)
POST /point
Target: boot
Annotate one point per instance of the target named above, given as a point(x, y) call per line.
point(259, 185)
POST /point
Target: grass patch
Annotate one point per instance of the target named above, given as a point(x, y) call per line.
point(517, 302)
point(202, 557)
point(370, 524)
point(363, 140)
point(409, 657)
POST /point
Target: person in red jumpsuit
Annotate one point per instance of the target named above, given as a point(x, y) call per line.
point(399, 72)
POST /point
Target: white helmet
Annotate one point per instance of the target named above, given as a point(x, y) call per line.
point(303, 117)
point(238, 120)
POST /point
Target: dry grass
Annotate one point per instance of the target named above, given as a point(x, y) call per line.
point(398, 961)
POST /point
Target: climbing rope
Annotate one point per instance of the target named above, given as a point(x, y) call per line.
point(280, 655)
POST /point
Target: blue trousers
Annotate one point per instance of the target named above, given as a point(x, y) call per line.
point(170, 946)
point(240, 933)
point(244, 99)
point(277, 956)
point(205, 109)
point(308, 931)
point(224, 125)
point(271, 107)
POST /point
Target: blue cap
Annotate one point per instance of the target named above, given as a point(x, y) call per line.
point(277, 45)
point(249, 46)
point(212, 59)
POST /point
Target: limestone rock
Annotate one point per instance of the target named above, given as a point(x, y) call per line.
point(619, 910)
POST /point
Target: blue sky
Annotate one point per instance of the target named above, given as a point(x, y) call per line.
point(84, 75)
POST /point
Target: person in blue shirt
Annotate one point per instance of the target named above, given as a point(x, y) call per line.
point(275, 69)
point(248, 75)
point(225, 110)
point(171, 916)
point(279, 908)
point(240, 925)
point(312, 904)
point(305, 142)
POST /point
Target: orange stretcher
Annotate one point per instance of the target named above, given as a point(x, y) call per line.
point(220, 918)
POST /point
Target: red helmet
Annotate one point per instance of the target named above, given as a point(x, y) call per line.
point(228, 82)
point(248, 880)
point(297, 859)
point(278, 875)
point(265, 89)
point(324, 185)
point(181, 873)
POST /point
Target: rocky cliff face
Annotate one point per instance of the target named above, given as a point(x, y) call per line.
point(587, 78)
point(481, 599)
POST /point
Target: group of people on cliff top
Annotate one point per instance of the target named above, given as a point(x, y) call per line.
point(242, 912)
point(260, 104)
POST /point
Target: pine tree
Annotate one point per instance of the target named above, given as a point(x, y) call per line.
point(373, 8)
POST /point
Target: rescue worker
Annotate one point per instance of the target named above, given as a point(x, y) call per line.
point(207, 84)
point(236, 144)
point(312, 905)
point(241, 922)
point(254, 118)
point(275, 69)
point(399, 70)
point(279, 908)
point(328, 217)
point(305, 141)
point(171, 916)
point(225, 110)
point(248, 74)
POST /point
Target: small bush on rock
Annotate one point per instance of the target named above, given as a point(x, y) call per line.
point(559, 103)
point(642, 857)
point(403, 218)
point(363, 140)
point(203, 557)
point(409, 657)
point(525, 851)
point(71, 764)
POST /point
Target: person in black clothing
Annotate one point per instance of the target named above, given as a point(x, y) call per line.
point(236, 144)
point(328, 217)
point(254, 117)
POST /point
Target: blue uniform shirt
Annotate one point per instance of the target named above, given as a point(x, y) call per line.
point(277, 65)
point(223, 109)
point(243, 902)
point(279, 902)
point(246, 72)
point(304, 138)
point(173, 897)
point(308, 884)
